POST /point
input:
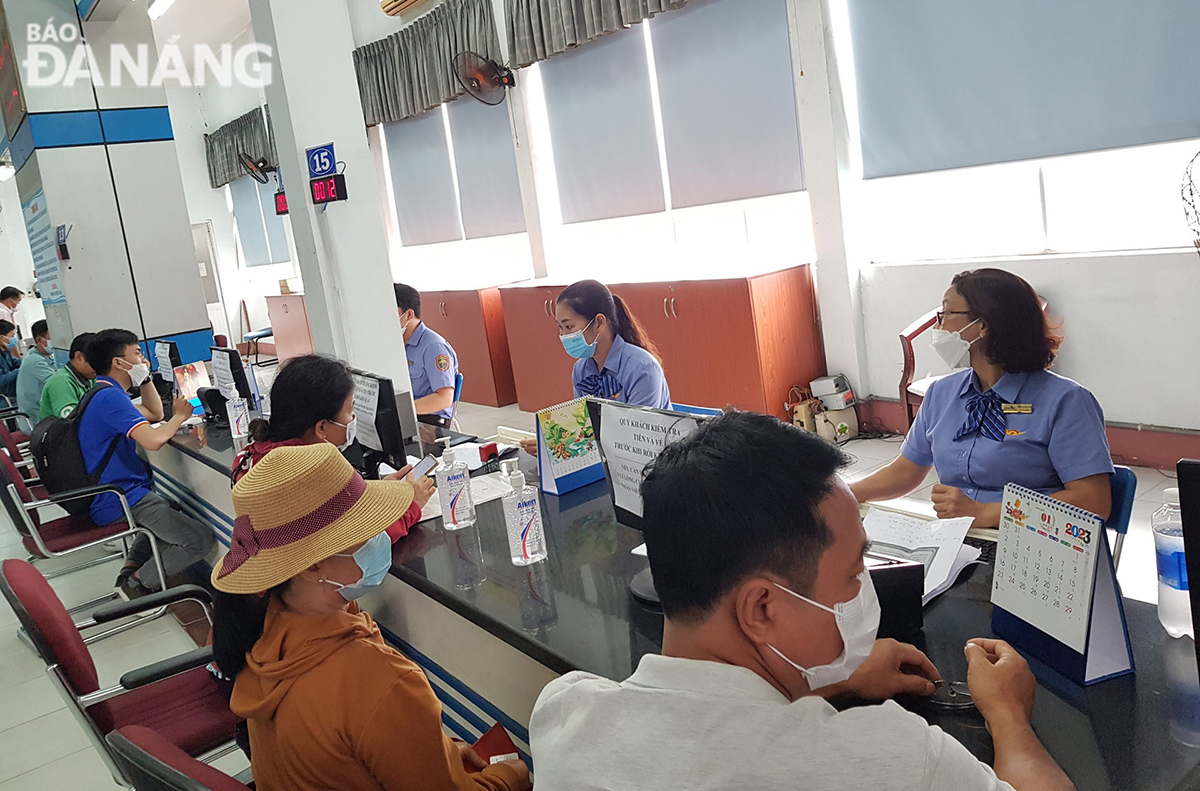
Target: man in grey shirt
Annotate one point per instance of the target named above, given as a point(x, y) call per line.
point(757, 552)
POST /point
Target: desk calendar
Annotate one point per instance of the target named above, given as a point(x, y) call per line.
point(1054, 591)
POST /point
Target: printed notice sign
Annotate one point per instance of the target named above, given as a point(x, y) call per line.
point(631, 439)
point(44, 249)
point(366, 406)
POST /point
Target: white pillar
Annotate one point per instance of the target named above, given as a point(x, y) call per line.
point(832, 172)
point(341, 249)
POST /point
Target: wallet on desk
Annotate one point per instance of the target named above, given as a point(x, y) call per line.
point(493, 744)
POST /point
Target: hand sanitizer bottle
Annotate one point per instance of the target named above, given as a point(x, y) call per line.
point(523, 517)
point(454, 491)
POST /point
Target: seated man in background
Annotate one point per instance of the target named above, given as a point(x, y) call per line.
point(67, 386)
point(432, 363)
point(10, 361)
point(10, 300)
point(111, 421)
point(757, 552)
point(36, 369)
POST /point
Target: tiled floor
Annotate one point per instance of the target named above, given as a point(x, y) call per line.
point(42, 747)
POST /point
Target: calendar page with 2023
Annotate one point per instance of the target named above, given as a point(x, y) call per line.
point(1045, 565)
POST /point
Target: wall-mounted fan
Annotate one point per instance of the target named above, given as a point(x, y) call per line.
point(484, 79)
point(257, 168)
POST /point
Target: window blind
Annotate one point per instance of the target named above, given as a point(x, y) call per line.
point(422, 180)
point(728, 100)
point(247, 212)
point(953, 83)
point(488, 186)
point(602, 129)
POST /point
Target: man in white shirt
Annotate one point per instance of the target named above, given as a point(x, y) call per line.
point(757, 552)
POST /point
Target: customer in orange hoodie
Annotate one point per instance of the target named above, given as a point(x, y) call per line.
point(331, 707)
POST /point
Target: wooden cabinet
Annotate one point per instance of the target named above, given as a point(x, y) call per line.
point(541, 369)
point(742, 342)
point(289, 324)
point(473, 323)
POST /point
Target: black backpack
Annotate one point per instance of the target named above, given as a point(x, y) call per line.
point(58, 456)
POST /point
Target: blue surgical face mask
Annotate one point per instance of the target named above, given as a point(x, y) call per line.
point(576, 346)
point(374, 559)
point(12, 344)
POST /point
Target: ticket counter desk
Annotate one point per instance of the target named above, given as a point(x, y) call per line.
point(490, 635)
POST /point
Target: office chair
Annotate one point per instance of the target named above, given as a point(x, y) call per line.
point(458, 385)
point(1124, 489)
point(178, 697)
point(153, 763)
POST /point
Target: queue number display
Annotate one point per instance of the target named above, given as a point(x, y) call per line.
point(281, 202)
point(328, 189)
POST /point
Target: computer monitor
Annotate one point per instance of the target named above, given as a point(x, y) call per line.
point(395, 419)
point(189, 379)
point(1189, 506)
point(229, 375)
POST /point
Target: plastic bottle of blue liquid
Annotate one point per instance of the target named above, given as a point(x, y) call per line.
point(1174, 601)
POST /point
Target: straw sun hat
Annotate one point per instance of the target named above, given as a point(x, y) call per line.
point(298, 506)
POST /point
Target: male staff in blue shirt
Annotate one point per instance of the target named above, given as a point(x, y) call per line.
point(432, 363)
point(1006, 418)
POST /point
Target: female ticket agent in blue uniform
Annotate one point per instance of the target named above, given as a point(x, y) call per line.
point(1006, 418)
point(615, 358)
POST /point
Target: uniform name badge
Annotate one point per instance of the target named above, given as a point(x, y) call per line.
point(1017, 409)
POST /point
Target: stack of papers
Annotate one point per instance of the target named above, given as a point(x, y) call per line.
point(937, 544)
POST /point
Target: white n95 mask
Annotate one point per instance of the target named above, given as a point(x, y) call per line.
point(138, 374)
point(858, 623)
point(950, 346)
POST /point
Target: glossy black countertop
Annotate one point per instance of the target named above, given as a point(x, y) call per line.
point(213, 445)
point(573, 612)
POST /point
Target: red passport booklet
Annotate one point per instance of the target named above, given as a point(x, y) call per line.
point(496, 742)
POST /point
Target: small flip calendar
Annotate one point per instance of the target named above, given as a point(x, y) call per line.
point(1054, 590)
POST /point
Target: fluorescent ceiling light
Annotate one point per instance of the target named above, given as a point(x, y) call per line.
point(159, 7)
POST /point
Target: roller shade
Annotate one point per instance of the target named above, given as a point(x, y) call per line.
point(276, 236)
point(422, 180)
point(488, 186)
point(954, 83)
point(247, 211)
point(602, 129)
point(728, 100)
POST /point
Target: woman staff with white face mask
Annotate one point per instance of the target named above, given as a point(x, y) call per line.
point(1006, 418)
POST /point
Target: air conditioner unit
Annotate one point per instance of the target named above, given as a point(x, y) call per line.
point(398, 7)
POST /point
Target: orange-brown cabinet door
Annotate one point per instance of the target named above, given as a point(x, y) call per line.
point(541, 369)
point(467, 333)
point(649, 302)
point(714, 357)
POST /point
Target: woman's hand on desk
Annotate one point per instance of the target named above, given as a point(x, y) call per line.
point(893, 668)
point(950, 503)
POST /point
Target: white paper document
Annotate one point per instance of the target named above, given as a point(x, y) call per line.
point(933, 543)
point(484, 489)
point(366, 405)
point(632, 439)
point(469, 452)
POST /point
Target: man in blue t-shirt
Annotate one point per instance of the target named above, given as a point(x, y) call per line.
point(111, 417)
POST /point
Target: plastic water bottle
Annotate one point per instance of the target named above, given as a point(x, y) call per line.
point(523, 517)
point(1174, 601)
point(454, 491)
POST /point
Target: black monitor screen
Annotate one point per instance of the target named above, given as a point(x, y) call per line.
point(229, 375)
point(1189, 505)
point(377, 415)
